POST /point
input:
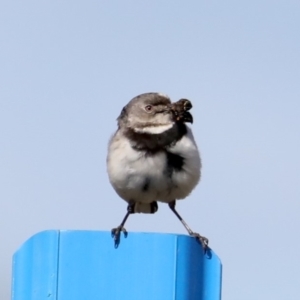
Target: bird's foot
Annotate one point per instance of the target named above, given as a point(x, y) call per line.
point(203, 240)
point(116, 234)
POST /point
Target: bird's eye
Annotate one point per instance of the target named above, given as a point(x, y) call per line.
point(148, 108)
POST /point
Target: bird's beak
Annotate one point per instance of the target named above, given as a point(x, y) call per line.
point(186, 117)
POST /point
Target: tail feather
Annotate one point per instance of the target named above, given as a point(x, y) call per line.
point(146, 208)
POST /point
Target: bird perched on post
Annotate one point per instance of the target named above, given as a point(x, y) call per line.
point(153, 157)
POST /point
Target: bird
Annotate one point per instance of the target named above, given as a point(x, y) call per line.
point(153, 157)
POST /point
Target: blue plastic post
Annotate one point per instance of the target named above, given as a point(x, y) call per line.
point(85, 265)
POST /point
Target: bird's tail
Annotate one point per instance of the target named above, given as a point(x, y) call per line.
point(146, 208)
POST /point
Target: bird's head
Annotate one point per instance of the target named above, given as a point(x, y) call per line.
point(154, 113)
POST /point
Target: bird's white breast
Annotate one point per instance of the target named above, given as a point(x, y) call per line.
point(129, 171)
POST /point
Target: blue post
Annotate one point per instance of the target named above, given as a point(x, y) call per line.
point(85, 265)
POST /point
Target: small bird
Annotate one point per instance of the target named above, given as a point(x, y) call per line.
point(153, 157)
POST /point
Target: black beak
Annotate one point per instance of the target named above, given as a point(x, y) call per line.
point(186, 117)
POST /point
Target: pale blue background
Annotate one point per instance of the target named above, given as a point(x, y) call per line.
point(68, 67)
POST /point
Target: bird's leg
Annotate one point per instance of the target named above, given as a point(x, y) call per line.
point(203, 240)
point(116, 232)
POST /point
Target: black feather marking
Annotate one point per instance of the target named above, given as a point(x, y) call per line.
point(174, 163)
point(146, 185)
point(153, 143)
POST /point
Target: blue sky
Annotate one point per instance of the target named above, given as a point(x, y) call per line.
point(67, 69)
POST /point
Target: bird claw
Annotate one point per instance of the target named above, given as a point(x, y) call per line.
point(203, 240)
point(116, 233)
